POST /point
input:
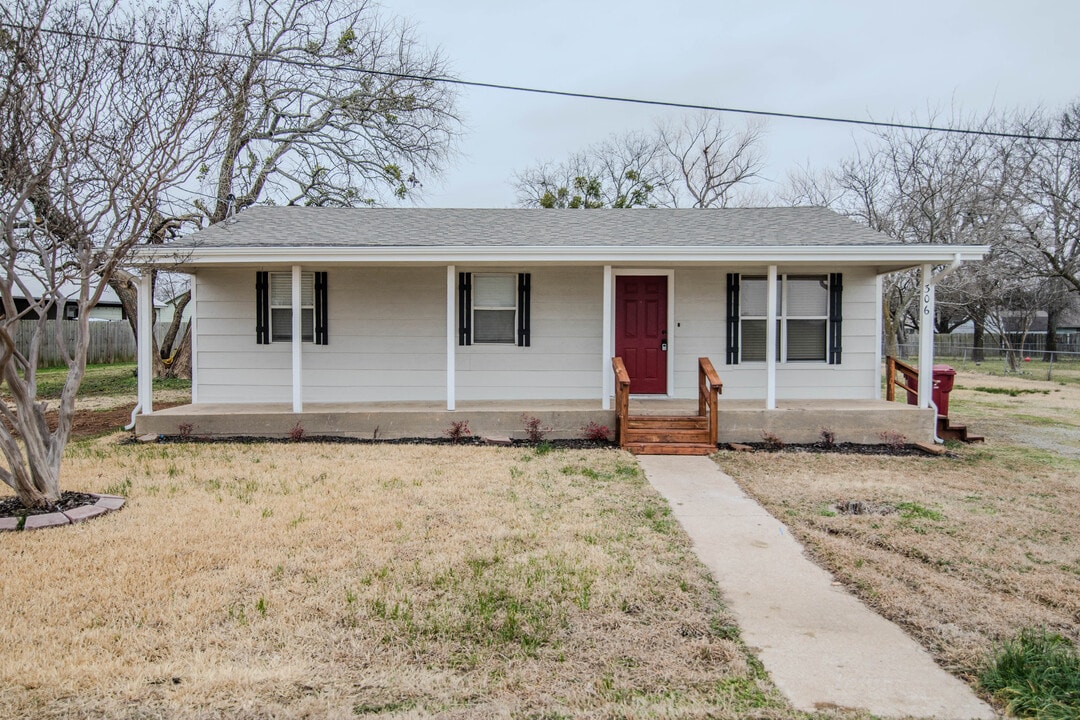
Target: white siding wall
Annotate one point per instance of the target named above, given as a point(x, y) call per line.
point(388, 342)
point(387, 339)
point(700, 317)
point(563, 360)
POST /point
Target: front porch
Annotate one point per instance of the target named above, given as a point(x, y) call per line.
point(793, 421)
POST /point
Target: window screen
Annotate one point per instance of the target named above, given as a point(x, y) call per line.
point(494, 308)
point(281, 307)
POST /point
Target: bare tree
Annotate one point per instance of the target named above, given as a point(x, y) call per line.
point(711, 161)
point(91, 131)
point(699, 163)
point(324, 102)
point(623, 171)
point(1046, 203)
point(923, 187)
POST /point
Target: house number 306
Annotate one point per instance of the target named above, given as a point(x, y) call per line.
point(926, 300)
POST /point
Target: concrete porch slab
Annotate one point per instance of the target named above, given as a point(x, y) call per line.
point(797, 421)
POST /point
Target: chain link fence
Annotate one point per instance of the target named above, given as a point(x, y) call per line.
point(1030, 358)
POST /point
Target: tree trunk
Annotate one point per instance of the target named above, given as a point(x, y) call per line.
point(124, 285)
point(1050, 347)
point(174, 327)
point(888, 329)
point(180, 367)
point(978, 338)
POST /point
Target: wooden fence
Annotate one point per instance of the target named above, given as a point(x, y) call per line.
point(111, 341)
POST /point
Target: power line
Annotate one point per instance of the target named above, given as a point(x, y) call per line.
point(561, 93)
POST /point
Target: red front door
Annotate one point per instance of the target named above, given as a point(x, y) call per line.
point(641, 331)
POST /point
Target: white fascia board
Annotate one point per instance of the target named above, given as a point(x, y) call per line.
point(891, 254)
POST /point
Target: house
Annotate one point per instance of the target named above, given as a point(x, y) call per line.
point(108, 307)
point(410, 319)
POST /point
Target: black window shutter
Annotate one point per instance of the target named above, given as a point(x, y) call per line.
point(733, 318)
point(836, 317)
point(524, 291)
point(464, 308)
point(322, 335)
point(262, 307)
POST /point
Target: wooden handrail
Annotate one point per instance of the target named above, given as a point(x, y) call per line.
point(622, 397)
point(709, 389)
point(909, 373)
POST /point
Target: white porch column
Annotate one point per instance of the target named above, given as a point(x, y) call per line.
point(879, 333)
point(297, 344)
point(770, 340)
point(145, 319)
point(608, 384)
point(926, 336)
point(193, 332)
point(451, 338)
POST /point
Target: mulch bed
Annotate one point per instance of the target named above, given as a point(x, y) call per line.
point(565, 444)
point(838, 448)
point(13, 507)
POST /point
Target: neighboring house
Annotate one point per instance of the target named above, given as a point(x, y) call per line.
point(167, 310)
point(460, 312)
point(108, 307)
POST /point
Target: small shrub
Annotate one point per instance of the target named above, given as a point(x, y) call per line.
point(1036, 674)
point(185, 429)
point(458, 430)
point(596, 432)
point(297, 433)
point(828, 437)
point(535, 430)
point(892, 438)
point(771, 441)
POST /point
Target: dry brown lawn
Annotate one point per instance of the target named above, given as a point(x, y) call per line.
point(981, 544)
point(321, 580)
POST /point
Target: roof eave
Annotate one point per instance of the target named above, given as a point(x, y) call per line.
point(886, 255)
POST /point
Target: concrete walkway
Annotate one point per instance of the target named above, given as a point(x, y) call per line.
point(823, 648)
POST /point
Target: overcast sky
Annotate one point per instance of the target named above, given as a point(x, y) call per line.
point(866, 60)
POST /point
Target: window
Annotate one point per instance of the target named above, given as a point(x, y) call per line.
point(281, 307)
point(808, 311)
point(494, 308)
point(273, 321)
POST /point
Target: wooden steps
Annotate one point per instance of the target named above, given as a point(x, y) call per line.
point(948, 431)
point(667, 435)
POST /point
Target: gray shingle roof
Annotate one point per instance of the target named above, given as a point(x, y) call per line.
point(433, 228)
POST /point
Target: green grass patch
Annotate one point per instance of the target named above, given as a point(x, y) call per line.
point(1011, 392)
point(1040, 420)
point(913, 510)
point(1036, 675)
point(101, 381)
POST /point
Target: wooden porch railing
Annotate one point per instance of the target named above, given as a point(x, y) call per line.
point(709, 389)
point(622, 398)
point(910, 375)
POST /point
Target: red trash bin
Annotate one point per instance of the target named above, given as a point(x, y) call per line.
point(944, 376)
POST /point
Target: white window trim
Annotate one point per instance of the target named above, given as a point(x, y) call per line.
point(305, 277)
point(512, 306)
point(782, 318)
